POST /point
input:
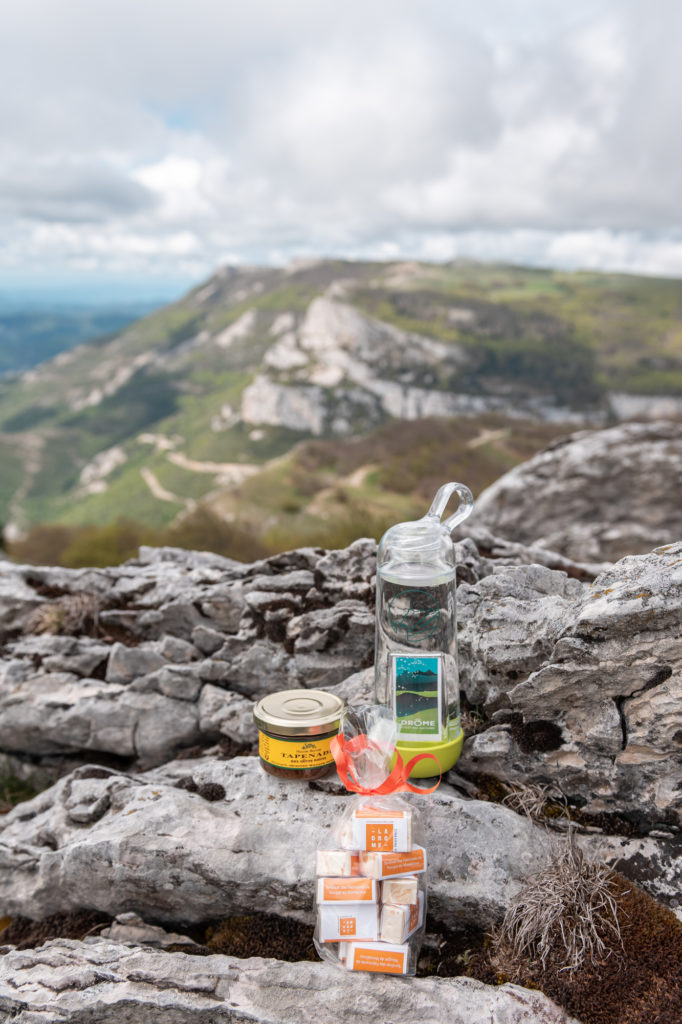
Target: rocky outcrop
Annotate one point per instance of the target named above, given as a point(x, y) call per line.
point(109, 983)
point(578, 683)
point(110, 841)
point(595, 495)
point(184, 642)
point(581, 683)
point(573, 680)
point(183, 645)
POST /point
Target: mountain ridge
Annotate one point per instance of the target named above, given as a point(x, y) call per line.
point(201, 394)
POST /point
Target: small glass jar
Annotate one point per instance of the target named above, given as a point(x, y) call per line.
point(295, 729)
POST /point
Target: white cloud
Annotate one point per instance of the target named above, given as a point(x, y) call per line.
point(166, 137)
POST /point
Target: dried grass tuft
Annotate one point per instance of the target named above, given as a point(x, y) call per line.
point(68, 615)
point(567, 915)
point(533, 800)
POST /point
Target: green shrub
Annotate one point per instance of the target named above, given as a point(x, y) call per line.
point(204, 531)
point(106, 545)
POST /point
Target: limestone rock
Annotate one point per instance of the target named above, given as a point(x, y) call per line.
point(111, 983)
point(59, 713)
point(297, 619)
point(299, 407)
point(593, 704)
point(344, 372)
point(652, 862)
point(222, 713)
point(191, 560)
point(127, 663)
point(501, 551)
point(356, 689)
point(208, 640)
point(178, 651)
point(82, 655)
point(596, 666)
point(130, 930)
point(111, 842)
point(593, 496)
point(509, 624)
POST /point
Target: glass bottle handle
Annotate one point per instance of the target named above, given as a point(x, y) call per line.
point(439, 504)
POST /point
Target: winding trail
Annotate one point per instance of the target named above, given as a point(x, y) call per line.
point(158, 490)
point(232, 472)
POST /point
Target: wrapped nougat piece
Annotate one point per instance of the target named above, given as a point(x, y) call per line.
point(347, 890)
point(355, 921)
point(337, 864)
point(376, 828)
point(401, 890)
point(399, 922)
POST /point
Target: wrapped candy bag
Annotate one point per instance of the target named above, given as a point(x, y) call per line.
point(370, 887)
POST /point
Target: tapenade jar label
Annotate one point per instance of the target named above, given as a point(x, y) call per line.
point(295, 729)
point(296, 754)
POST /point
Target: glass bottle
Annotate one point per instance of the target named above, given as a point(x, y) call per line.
point(415, 668)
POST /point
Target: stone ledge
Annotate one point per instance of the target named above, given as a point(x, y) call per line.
point(101, 982)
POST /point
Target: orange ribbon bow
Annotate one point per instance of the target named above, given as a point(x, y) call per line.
point(396, 781)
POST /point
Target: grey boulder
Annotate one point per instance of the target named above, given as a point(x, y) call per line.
point(112, 842)
point(595, 495)
point(102, 982)
point(591, 700)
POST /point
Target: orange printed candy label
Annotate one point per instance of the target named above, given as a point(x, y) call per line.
point(355, 864)
point(388, 962)
point(355, 889)
point(296, 754)
point(346, 926)
point(379, 837)
point(403, 863)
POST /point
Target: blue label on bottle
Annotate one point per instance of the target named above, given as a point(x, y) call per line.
point(417, 696)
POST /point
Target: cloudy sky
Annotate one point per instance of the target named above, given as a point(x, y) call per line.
point(151, 140)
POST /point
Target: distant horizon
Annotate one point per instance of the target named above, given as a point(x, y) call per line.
point(88, 289)
point(41, 293)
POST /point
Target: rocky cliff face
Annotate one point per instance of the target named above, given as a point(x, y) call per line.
point(342, 372)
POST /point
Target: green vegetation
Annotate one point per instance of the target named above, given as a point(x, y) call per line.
point(28, 418)
point(619, 318)
point(116, 542)
point(166, 328)
point(13, 789)
point(143, 400)
point(127, 496)
point(416, 457)
point(323, 493)
point(603, 927)
point(11, 475)
point(556, 338)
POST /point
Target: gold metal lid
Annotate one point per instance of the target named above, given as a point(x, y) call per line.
point(298, 712)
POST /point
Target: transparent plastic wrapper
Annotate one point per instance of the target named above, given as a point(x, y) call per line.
point(371, 869)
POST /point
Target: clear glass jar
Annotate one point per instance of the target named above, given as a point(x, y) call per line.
point(416, 632)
